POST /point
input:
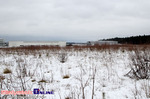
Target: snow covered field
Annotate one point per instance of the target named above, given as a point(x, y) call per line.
point(72, 74)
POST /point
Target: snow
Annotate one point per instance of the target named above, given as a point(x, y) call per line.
point(111, 68)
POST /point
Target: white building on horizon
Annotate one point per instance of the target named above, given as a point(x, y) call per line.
point(36, 43)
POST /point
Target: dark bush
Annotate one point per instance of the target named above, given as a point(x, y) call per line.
point(140, 65)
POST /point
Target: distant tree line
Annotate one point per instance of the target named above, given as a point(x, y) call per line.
point(145, 39)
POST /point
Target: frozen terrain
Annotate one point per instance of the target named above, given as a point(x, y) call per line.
point(72, 74)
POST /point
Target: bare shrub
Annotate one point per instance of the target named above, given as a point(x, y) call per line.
point(84, 81)
point(94, 71)
point(141, 89)
point(74, 92)
point(136, 93)
point(140, 65)
point(146, 88)
point(22, 67)
point(62, 57)
point(22, 73)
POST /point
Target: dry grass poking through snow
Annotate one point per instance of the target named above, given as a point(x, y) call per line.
point(79, 72)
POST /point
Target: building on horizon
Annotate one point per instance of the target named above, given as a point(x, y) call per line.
point(36, 43)
point(2, 43)
point(102, 42)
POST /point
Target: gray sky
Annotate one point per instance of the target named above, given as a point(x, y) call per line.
point(73, 20)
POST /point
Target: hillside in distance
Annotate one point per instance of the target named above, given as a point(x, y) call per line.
point(145, 39)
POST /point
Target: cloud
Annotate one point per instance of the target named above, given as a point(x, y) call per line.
point(74, 19)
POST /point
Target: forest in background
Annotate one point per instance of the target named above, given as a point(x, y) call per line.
point(144, 39)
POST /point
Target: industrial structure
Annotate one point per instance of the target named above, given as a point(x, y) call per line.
point(75, 44)
point(53, 43)
point(102, 42)
point(34, 43)
point(2, 43)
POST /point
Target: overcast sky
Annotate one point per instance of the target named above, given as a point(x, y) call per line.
point(73, 20)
